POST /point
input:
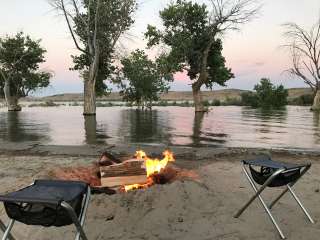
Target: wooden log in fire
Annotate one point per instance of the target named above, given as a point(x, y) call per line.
point(126, 173)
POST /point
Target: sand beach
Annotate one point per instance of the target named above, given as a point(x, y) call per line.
point(187, 209)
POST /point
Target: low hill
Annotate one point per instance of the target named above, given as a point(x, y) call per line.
point(221, 95)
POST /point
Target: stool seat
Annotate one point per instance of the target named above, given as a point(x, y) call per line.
point(47, 192)
point(48, 203)
point(265, 161)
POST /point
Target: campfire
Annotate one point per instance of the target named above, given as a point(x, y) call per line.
point(138, 173)
point(111, 175)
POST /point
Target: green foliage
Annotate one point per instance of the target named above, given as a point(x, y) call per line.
point(189, 34)
point(249, 99)
point(142, 80)
point(232, 102)
point(49, 103)
point(206, 103)
point(266, 95)
point(303, 100)
point(216, 102)
point(185, 104)
point(163, 103)
point(115, 17)
point(20, 57)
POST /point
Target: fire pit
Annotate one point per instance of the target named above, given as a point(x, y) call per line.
point(140, 172)
point(111, 175)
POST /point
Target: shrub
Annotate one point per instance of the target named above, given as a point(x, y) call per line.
point(206, 103)
point(163, 103)
point(185, 104)
point(216, 102)
point(303, 100)
point(249, 99)
point(266, 95)
point(232, 101)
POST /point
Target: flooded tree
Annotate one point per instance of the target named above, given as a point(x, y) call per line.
point(266, 95)
point(192, 32)
point(304, 46)
point(20, 59)
point(142, 80)
point(95, 27)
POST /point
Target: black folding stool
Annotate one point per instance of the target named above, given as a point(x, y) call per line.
point(273, 174)
point(48, 203)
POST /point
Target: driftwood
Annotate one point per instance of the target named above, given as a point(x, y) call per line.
point(126, 173)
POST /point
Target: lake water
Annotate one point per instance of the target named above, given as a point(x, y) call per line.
point(292, 128)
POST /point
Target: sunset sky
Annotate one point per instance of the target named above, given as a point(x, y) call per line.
point(252, 53)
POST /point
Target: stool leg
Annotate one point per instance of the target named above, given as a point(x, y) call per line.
point(269, 180)
point(75, 220)
point(300, 204)
point(2, 226)
point(290, 185)
point(7, 234)
point(257, 195)
point(84, 211)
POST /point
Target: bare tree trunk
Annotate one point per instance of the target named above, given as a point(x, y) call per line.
point(89, 98)
point(203, 78)
point(90, 126)
point(316, 102)
point(89, 86)
point(12, 100)
point(197, 99)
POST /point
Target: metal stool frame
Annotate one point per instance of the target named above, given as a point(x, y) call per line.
point(268, 208)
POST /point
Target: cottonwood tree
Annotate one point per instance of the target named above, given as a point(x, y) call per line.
point(20, 59)
point(192, 31)
point(142, 80)
point(95, 27)
point(304, 46)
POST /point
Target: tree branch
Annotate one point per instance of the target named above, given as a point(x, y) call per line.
point(69, 26)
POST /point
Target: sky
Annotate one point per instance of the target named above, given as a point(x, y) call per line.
point(252, 53)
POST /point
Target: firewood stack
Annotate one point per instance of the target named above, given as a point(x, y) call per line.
point(129, 172)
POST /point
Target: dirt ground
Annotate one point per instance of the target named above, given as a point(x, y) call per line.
point(182, 210)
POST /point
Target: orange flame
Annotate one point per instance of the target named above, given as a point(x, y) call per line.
point(153, 166)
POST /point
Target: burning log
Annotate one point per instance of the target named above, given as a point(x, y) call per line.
point(128, 172)
point(128, 168)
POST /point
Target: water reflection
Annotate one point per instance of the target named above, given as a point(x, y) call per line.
point(148, 126)
point(204, 134)
point(265, 119)
point(316, 119)
point(94, 133)
point(294, 127)
point(275, 115)
point(197, 125)
point(316, 122)
point(17, 127)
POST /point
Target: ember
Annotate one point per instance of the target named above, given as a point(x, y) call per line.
point(154, 169)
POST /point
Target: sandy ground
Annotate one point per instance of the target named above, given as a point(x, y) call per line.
point(181, 210)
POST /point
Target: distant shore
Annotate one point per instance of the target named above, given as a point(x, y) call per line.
point(220, 95)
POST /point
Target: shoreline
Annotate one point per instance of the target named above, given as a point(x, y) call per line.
point(30, 148)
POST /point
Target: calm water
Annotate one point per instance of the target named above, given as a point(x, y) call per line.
point(293, 128)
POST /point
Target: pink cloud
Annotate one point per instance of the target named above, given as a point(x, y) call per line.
point(181, 76)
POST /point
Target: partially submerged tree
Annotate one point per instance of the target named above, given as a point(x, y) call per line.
point(304, 46)
point(20, 57)
point(95, 27)
point(266, 95)
point(142, 80)
point(192, 31)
